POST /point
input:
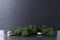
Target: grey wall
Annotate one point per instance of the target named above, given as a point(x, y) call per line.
point(14, 13)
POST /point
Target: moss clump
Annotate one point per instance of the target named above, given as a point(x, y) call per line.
point(47, 31)
point(18, 31)
point(25, 32)
point(44, 29)
point(50, 33)
point(32, 29)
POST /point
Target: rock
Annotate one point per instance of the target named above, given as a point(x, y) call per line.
point(39, 33)
point(10, 33)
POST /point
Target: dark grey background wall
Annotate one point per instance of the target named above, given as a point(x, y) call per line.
point(14, 13)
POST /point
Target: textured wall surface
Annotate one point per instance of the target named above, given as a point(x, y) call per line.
point(14, 13)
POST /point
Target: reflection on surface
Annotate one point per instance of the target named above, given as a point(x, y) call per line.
point(1, 34)
point(31, 38)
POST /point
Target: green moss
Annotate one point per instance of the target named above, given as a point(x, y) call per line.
point(25, 33)
point(47, 31)
point(32, 29)
point(50, 33)
point(44, 31)
point(18, 31)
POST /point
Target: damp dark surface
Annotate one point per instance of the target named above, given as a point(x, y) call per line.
point(31, 38)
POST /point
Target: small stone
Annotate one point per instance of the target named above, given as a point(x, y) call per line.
point(39, 33)
point(9, 33)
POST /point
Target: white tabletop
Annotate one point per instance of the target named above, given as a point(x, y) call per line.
point(1, 34)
